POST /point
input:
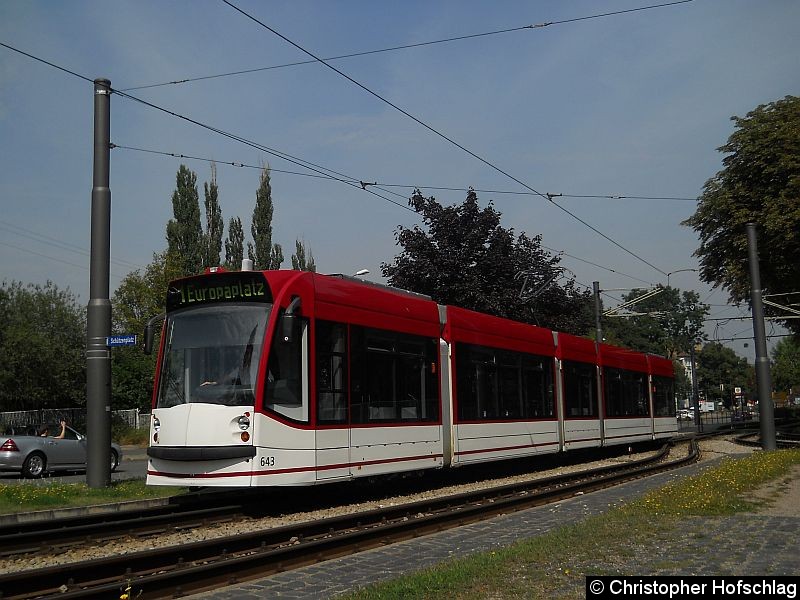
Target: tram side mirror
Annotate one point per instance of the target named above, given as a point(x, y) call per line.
point(289, 321)
point(150, 332)
point(288, 324)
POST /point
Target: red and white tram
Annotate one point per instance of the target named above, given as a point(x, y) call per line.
point(294, 378)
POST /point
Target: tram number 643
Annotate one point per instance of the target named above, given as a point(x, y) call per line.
point(267, 461)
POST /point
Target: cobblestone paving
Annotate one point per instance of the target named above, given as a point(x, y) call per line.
point(739, 545)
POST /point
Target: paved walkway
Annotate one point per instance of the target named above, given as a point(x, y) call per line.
point(743, 544)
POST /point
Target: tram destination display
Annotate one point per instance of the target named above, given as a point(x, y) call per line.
point(223, 287)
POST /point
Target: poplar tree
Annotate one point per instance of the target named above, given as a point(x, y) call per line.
point(184, 232)
point(234, 245)
point(299, 261)
point(264, 254)
point(212, 239)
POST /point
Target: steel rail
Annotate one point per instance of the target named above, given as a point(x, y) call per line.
point(753, 439)
point(208, 564)
point(192, 510)
point(60, 536)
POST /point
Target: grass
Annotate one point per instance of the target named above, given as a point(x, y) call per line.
point(43, 494)
point(554, 565)
point(133, 437)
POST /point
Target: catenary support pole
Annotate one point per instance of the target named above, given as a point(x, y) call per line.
point(597, 310)
point(98, 315)
point(698, 421)
point(766, 412)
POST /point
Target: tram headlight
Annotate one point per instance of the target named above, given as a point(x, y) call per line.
point(156, 424)
point(244, 422)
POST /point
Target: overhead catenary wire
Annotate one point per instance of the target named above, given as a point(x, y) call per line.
point(352, 182)
point(318, 176)
point(560, 195)
point(56, 243)
point(41, 255)
point(244, 165)
point(48, 63)
point(300, 162)
point(404, 46)
point(381, 185)
point(240, 139)
point(443, 136)
point(734, 339)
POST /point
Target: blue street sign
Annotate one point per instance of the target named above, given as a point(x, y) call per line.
point(121, 340)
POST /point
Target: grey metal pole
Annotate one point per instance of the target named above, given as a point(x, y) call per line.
point(763, 378)
point(695, 393)
point(598, 324)
point(98, 315)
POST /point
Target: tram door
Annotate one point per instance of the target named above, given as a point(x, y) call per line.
point(333, 431)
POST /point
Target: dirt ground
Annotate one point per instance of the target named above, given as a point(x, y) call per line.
point(782, 496)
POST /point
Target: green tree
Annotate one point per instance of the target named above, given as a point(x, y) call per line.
point(465, 258)
point(264, 254)
point(234, 245)
point(140, 296)
point(212, 237)
point(760, 183)
point(184, 232)
point(299, 261)
point(786, 365)
point(42, 342)
point(666, 323)
point(719, 370)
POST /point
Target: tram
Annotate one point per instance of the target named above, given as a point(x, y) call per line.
point(286, 378)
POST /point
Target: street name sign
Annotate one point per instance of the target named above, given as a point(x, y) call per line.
point(115, 341)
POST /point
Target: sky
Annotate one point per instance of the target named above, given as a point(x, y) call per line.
point(630, 104)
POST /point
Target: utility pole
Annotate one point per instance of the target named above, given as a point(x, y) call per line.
point(766, 412)
point(98, 315)
point(695, 393)
point(597, 323)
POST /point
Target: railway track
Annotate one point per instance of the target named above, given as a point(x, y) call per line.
point(782, 440)
point(50, 535)
point(199, 509)
point(179, 570)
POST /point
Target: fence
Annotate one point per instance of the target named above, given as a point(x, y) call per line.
point(75, 417)
point(720, 417)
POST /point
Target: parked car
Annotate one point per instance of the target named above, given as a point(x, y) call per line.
point(686, 414)
point(24, 449)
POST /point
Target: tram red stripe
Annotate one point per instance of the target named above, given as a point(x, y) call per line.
point(465, 452)
point(297, 469)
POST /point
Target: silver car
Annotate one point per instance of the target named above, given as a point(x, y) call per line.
point(24, 449)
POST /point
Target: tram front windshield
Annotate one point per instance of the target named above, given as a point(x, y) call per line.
point(211, 355)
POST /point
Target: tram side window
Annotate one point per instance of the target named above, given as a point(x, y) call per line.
point(626, 393)
point(537, 375)
point(663, 397)
point(496, 384)
point(580, 389)
point(477, 383)
point(393, 377)
point(331, 344)
point(287, 374)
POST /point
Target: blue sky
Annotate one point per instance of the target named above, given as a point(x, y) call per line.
point(627, 105)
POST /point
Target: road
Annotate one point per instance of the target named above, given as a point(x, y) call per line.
point(132, 466)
